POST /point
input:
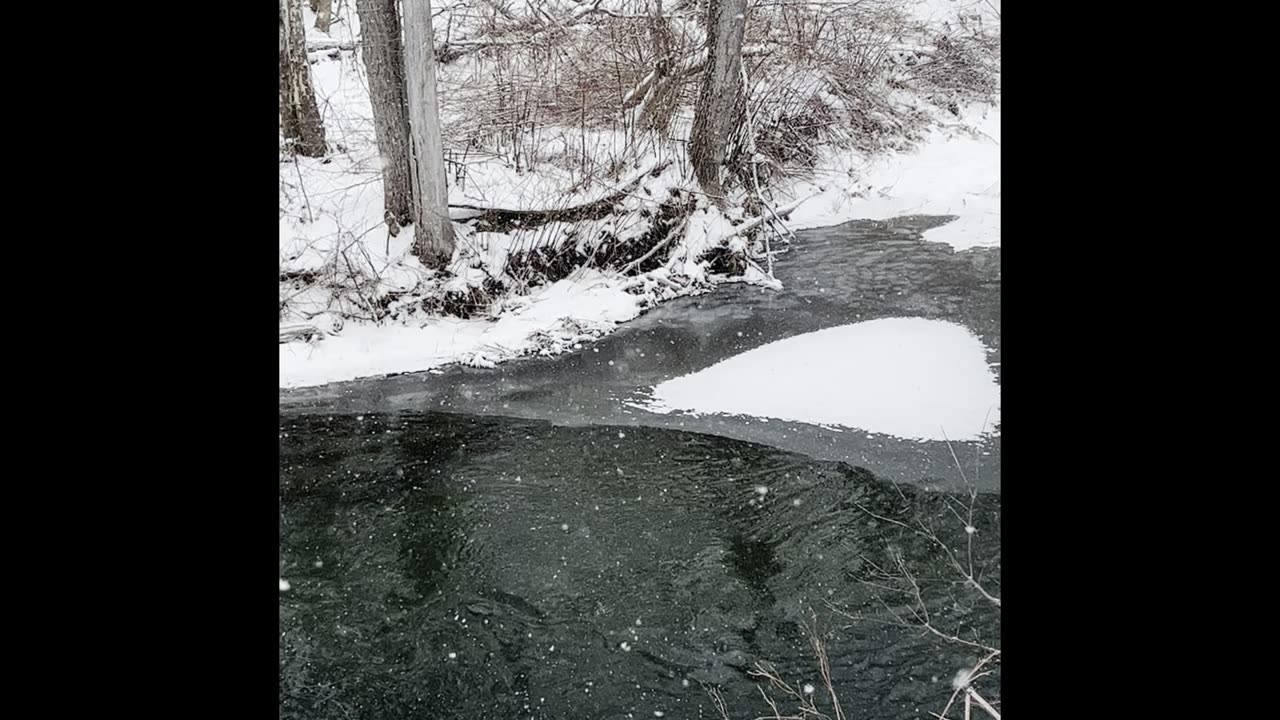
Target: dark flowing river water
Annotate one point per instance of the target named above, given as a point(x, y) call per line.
point(517, 543)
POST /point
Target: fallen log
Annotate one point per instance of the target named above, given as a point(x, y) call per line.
point(305, 276)
point(289, 333)
point(500, 219)
point(323, 45)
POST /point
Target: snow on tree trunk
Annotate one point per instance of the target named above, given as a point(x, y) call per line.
point(324, 14)
point(720, 97)
point(299, 116)
point(383, 55)
point(433, 238)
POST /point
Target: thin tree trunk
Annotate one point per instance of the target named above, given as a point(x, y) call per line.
point(433, 238)
point(720, 97)
point(383, 55)
point(324, 14)
point(299, 116)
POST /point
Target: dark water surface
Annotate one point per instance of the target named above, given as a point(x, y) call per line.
point(450, 566)
point(833, 276)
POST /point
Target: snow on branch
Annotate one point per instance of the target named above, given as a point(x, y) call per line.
point(289, 333)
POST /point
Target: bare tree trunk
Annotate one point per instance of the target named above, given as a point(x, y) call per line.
point(384, 63)
point(299, 116)
point(720, 97)
point(324, 14)
point(433, 238)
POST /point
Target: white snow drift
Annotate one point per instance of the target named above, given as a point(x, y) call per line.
point(559, 315)
point(955, 171)
point(909, 377)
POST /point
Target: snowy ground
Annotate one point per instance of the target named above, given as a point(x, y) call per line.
point(955, 172)
point(331, 221)
point(555, 318)
point(907, 377)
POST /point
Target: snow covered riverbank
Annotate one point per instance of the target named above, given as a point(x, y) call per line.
point(331, 222)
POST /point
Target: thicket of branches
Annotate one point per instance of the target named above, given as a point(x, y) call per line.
point(533, 82)
point(938, 577)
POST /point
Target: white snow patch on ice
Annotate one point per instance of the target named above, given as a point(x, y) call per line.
point(954, 171)
point(909, 377)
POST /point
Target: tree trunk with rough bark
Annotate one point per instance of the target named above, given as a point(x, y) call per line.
point(720, 98)
point(433, 233)
point(324, 14)
point(383, 55)
point(299, 115)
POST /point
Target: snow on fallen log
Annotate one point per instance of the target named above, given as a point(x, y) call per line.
point(721, 237)
point(289, 333)
point(611, 195)
point(324, 45)
point(781, 212)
